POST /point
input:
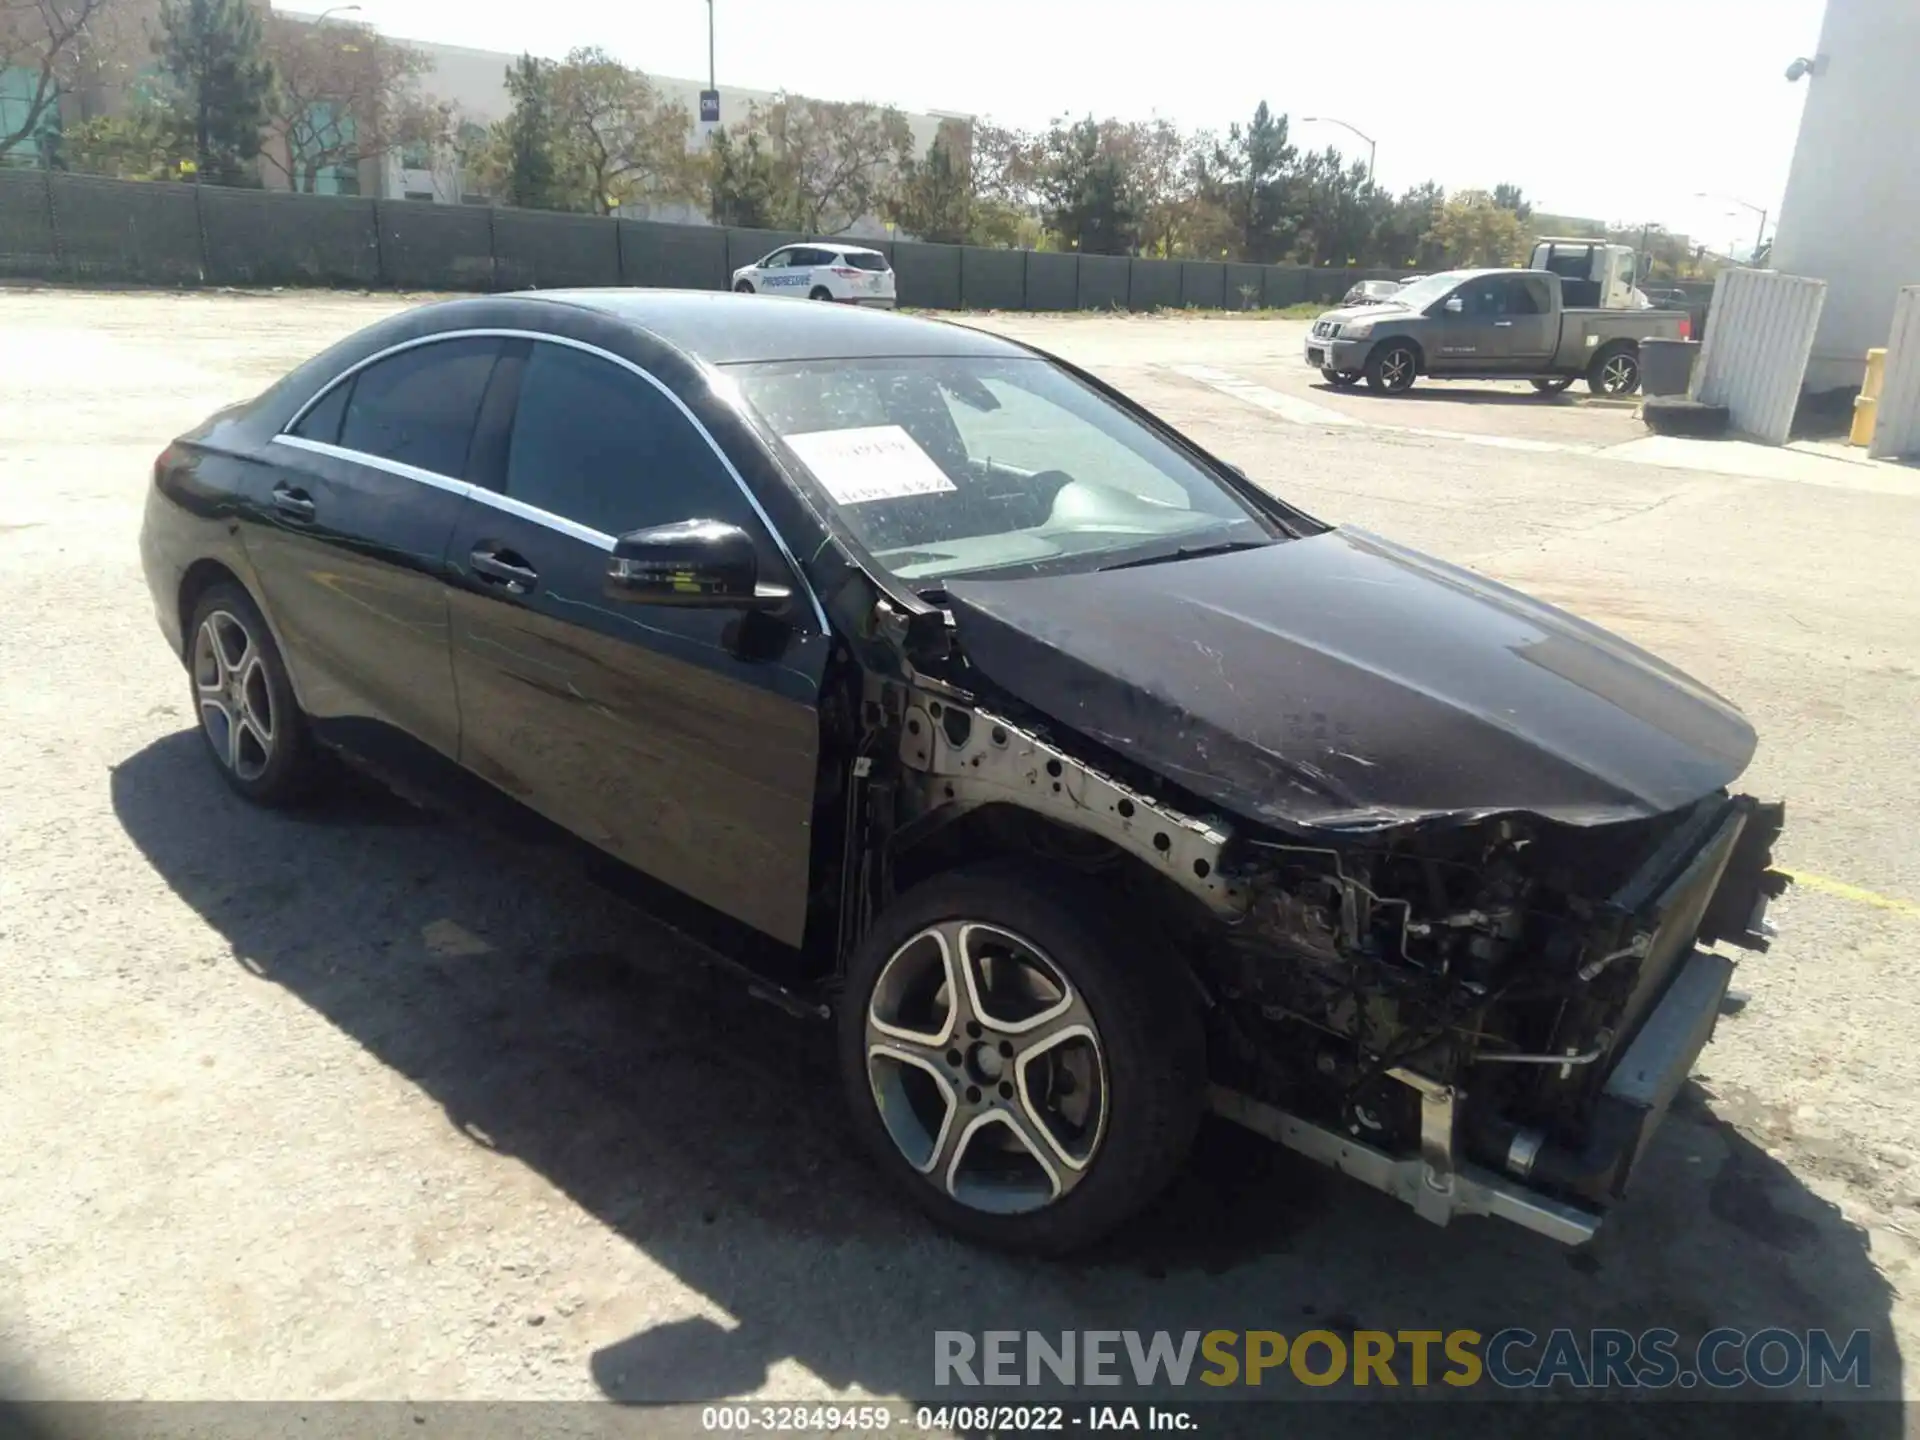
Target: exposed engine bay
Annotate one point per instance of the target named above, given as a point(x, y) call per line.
point(1481, 1016)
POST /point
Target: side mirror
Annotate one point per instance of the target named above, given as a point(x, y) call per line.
point(1455, 305)
point(704, 563)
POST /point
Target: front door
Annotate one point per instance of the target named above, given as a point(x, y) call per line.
point(1465, 336)
point(350, 542)
point(682, 741)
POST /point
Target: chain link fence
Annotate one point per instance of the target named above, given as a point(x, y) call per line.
point(86, 229)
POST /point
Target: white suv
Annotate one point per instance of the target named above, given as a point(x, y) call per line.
point(821, 271)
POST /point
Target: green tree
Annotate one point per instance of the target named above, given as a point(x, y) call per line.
point(935, 198)
point(742, 182)
point(837, 162)
point(1473, 230)
point(1084, 191)
point(622, 140)
point(1510, 197)
point(530, 153)
point(212, 53)
point(1252, 179)
point(149, 142)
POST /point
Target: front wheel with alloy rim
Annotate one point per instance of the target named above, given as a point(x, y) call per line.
point(244, 701)
point(1027, 1071)
point(1614, 373)
point(1340, 379)
point(1391, 369)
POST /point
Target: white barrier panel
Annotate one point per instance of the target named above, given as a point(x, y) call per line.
point(1759, 335)
point(1896, 426)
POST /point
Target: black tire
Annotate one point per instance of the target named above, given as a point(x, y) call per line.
point(282, 770)
point(1391, 368)
point(1677, 415)
point(1150, 1047)
point(1615, 372)
point(745, 287)
point(1340, 379)
point(1552, 386)
point(819, 292)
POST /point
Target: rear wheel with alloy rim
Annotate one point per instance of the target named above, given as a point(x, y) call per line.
point(1614, 372)
point(244, 700)
point(1013, 1061)
point(820, 292)
point(1391, 369)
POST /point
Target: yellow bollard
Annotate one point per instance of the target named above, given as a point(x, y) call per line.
point(1866, 404)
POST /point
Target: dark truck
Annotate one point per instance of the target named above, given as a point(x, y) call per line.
point(1488, 325)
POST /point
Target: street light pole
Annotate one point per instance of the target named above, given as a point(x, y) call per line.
point(1760, 210)
point(712, 83)
point(1329, 120)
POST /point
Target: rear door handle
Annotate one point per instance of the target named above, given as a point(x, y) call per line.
point(293, 503)
point(1503, 324)
point(505, 569)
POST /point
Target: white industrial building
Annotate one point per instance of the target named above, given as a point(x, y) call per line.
point(474, 83)
point(1851, 216)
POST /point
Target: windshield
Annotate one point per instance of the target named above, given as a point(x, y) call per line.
point(944, 467)
point(1423, 292)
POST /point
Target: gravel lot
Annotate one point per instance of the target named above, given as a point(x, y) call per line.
point(360, 1104)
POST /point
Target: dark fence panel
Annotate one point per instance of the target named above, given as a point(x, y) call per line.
point(1286, 286)
point(1156, 283)
point(673, 257)
point(1245, 287)
point(122, 230)
point(1104, 281)
point(927, 276)
point(992, 279)
point(1053, 280)
point(746, 246)
point(26, 224)
point(260, 237)
point(1203, 283)
point(536, 251)
point(424, 246)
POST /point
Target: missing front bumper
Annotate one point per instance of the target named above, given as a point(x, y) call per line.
point(1439, 1186)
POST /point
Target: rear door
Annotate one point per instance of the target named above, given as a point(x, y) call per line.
point(1532, 328)
point(682, 741)
point(350, 546)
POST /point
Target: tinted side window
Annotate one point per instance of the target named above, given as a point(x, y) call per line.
point(419, 406)
point(322, 422)
point(598, 445)
point(813, 257)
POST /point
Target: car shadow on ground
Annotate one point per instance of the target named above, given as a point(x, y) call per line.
point(1463, 394)
point(706, 1129)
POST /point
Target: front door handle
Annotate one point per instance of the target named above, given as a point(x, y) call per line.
point(293, 503)
point(505, 569)
point(1503, 324)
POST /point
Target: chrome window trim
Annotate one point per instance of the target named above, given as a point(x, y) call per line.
point(520, 508)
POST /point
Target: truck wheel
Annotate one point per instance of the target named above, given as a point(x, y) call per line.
point(1017, 1060)
point(1340, 379)
point(1553, 386)
point(1614, 372)
point(1391, 369)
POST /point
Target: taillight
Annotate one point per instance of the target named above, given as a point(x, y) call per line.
point(1686, 327)
point(846, 272)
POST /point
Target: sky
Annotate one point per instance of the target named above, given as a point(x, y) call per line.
point(1619, 111)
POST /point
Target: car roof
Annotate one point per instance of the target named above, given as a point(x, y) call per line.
point(724, 328)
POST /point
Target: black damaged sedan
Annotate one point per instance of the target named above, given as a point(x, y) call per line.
point(1083, 783)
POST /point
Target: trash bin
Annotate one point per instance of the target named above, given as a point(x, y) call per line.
point(1666, 366)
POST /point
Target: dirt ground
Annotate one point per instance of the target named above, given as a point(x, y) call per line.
point(359, 1104)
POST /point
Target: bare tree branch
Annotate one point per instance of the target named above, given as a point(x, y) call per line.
point(45, 38)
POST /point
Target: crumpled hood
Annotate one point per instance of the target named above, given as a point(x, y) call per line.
point(1342, 681)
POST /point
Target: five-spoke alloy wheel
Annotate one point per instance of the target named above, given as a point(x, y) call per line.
point(244, 700)
point(1017, 1060)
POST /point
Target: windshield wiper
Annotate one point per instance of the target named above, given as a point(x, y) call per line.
point(1191, 552)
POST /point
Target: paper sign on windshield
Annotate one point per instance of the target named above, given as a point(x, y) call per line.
point(875, 462)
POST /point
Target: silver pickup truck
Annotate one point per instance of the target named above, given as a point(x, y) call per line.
point(1487, 325)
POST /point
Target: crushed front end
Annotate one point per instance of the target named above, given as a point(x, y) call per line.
point(1491, 1018)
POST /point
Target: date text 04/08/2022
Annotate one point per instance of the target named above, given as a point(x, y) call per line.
point(940, 1419)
